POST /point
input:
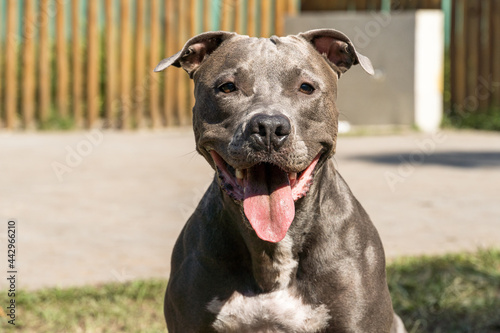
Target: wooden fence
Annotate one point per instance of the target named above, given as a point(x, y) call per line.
point(475, 56)
point(315, 5)
point(88, 63)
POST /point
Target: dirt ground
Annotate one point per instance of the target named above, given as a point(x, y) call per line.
point(97, 206)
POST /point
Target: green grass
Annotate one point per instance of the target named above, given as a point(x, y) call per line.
point(57, 122)
point(129, 307)
point(488, 120)
point(448, 294)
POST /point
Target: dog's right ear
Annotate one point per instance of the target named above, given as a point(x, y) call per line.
point(195, 51)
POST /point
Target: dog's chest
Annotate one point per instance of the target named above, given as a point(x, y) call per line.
point(278, 311)
point(282, 310)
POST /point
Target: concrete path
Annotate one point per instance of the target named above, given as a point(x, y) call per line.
point(107, 206)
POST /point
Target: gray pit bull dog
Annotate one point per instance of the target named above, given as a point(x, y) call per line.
point(278, 243)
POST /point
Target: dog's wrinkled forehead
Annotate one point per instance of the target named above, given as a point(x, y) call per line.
point(267, 56)
point(266, 66)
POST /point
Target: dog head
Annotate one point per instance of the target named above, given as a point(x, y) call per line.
point(265, 115)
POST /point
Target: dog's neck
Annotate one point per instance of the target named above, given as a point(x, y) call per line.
point(274, 265)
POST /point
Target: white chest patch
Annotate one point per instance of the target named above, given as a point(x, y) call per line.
point(278, 311)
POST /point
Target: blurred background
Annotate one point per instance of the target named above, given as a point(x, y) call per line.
point(86, 64)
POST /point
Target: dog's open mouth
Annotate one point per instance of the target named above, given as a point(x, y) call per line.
point(268, 194)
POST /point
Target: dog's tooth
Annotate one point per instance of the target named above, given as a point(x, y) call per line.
point(239, 173)
point(292, 175)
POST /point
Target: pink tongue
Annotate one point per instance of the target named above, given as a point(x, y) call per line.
point(268, 202)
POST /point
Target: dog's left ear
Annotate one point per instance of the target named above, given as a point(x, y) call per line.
point(337, 48)
point(195, 51)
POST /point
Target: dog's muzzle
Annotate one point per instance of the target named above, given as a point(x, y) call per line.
point(266, 192)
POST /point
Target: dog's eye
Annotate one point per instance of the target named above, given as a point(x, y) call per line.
point(227, 87)
point(306, 88)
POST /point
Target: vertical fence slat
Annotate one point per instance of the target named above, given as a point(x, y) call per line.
point(453, 54)
point(169, 100)
point(125, 64)
point(491, 50)
point(76, 64)
point(192, 32)
point(44, 63)
point(474, 43)
point(92, 64)
point(251, 26)
point(138, 86)
point(292, 7)
point(395, 5)
point(154, 56)
point(170, 77)
point(11, 65)
point(1, 84)
point(182, 97)
point(484, 64)
point(28, 68)
point(265, 12)
point(361, 5)
point(192, 17)
point(399, 4)
point(238, 10)
point(61, 61)
point(495, 50)
point(459, 60)
point(377, 4)
point(279, 20)
point(207, 12)
point(226, 15)
point(110, 55)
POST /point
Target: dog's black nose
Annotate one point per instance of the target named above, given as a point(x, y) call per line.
point(269, 131)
